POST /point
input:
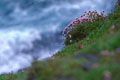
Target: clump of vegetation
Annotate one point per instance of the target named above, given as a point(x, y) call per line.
point(80, 28)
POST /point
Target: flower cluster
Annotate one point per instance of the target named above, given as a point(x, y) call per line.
point(90, 16)
point(105, 53)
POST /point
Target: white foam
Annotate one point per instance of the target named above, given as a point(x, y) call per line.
point(16, 48)
point(12, 44)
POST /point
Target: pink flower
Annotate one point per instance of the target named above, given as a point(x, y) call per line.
point(64, 35)
point(81, 19)
point(73, 25)
point(86, 17)
point(70, 36)
point(89, 11)
point(113, 27)
point(66, 28)
point(70, 41)
point(81, 16)
point(105, 53)
point(107, 75)
point(76, 19)
point(68, 25)
point(68, 32)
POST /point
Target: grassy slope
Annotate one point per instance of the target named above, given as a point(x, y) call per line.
point(75, 63)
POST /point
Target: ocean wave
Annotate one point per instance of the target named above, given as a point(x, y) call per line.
point(25, 11)
point(19, 47)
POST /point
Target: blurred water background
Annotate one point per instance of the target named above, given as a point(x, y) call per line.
point(32, 28)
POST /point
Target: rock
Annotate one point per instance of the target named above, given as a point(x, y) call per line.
point(92, 59)
point(89, 56)
point(118, 50)
point(86, 66)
